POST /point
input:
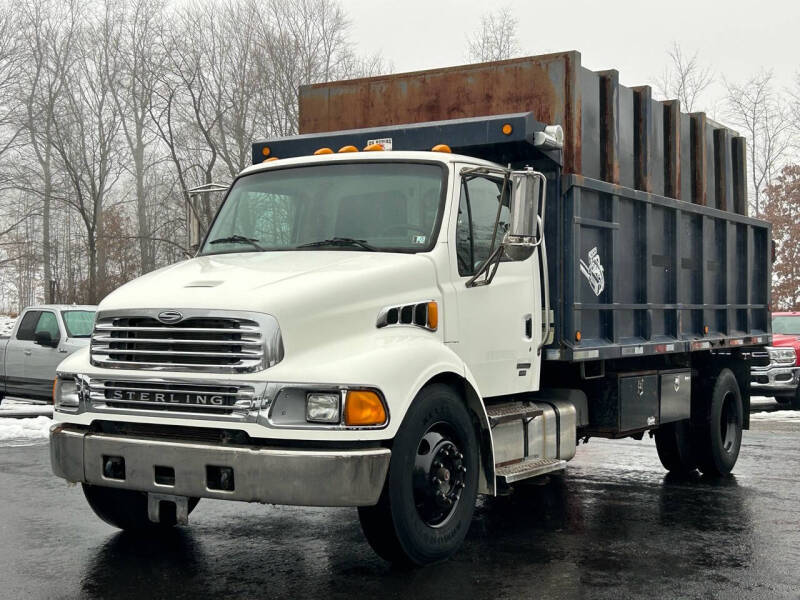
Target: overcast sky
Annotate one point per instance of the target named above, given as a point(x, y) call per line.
point(735, 37)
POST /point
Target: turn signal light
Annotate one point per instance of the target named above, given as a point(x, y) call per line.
point(323, 151)
point(363, 408)
point(433, 316)
point(348, 149)
point(441, 148)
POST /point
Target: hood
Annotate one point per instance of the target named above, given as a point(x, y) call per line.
point(782, 339)
point(314, 295)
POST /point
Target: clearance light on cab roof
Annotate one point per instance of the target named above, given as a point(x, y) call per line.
point(441, 148)
point(323, 151)
point(348, 149)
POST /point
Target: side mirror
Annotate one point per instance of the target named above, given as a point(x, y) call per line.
point(43, 338)
point(527, 200)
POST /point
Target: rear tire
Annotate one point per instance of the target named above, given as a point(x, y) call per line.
point(428, 500)
point(674, 445)
point(127, 509)
point(718, 434)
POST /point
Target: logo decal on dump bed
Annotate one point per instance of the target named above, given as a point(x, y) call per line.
point(594, 272)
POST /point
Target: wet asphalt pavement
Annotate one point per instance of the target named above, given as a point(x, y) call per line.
point(614, 526)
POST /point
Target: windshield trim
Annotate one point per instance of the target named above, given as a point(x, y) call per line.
point(445, 168)
point(66, 324)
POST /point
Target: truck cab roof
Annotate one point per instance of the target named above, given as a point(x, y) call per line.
point(394, 155)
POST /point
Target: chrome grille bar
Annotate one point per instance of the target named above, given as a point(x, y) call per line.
point(208, 341)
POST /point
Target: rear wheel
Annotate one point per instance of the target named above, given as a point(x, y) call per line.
point(429, 496)
point(127, 509)
point(718, 435)
point(674, 445)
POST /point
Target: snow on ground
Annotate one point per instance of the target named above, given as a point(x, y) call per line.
point(6, 325)
point(790, 416)
point(22, 432)
point(17, 407)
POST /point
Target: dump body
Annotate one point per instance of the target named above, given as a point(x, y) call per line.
point(612, 133)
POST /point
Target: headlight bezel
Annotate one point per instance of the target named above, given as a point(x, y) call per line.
point(785, 356)
point(67, 393)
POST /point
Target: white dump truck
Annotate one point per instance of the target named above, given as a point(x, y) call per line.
point(400, 317)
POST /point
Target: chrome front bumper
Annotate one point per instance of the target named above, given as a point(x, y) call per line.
point(260, 474)
point(775, 380)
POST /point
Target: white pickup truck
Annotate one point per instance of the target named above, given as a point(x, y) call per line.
point(375, 321)
point(41, 338)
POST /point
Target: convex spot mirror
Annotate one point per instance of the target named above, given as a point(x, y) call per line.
point(527, 199)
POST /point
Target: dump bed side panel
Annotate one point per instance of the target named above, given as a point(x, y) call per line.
point(645, 274)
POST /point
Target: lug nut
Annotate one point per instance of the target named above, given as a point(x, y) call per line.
point(436, 480)
point(462, 468)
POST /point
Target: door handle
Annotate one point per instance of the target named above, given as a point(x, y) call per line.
point(529, 327)
point(27, 352)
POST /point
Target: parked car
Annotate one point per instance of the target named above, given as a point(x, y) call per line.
point(778, 374)
point(42, 337)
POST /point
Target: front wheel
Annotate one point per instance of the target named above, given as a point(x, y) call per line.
point(126, 509)
point(429, 496)
point(718, 436)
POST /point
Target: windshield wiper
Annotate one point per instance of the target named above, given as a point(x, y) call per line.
point(240, 239)
point(340, 241)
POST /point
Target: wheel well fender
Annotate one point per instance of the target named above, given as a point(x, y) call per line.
point(468, 391)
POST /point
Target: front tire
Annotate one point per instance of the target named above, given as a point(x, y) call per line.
point(127, 509)
point(718, 435)
point(428, 500)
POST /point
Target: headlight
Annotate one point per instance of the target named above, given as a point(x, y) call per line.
point(322, 408)
point(65, 394)
point(782, 356)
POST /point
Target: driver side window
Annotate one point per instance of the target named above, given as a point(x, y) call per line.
point(477, 210)
point(47, 322)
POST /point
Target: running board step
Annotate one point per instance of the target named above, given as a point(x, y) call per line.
point(529, 468)
point(511, 411)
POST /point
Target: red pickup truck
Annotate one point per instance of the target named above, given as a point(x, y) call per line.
point(776, 372)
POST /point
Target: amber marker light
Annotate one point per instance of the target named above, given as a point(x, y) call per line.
point(323, 151)
point(705, 329)
point(577, 336)
point(270, 159)
point(363, 408)
point(374, 148)
point(348, 149)
point(507, 129)
point(441, 148)
point(265, 151)
point(55, 382)
point(433, 316)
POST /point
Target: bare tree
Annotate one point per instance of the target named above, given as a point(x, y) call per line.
point(495, 38)
point(755, 108)
point(86, 132)
point(685, 78)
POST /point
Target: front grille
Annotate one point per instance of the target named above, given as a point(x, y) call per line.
point(197, 343)
point(185, 397)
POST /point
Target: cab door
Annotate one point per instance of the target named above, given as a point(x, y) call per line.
point(499, 325)
point(41, 363)
point(20, 347)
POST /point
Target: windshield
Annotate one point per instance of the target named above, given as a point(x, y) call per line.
point(79, 323)
point(786, 325)
point(388, 206)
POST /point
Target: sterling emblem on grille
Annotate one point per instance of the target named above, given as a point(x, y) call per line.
point(170, 316)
